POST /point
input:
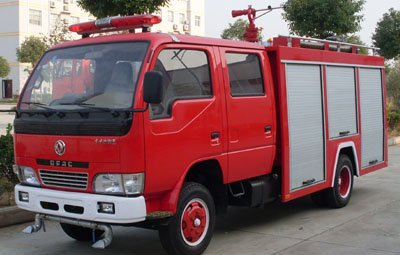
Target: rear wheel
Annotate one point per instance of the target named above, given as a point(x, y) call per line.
point(80, 233)
point(339, 195)
point(189, 231)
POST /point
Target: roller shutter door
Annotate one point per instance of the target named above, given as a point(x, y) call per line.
point(372, 129)
point(341, 93)
point(306, 127)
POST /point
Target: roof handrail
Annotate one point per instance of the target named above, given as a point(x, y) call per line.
point(338, 44)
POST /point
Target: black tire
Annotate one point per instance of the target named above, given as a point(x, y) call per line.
point(195, 203)
point(319, 198)
point(80, 233)
point(339, 195)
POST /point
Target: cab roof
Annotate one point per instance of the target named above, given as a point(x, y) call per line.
point(160, 38)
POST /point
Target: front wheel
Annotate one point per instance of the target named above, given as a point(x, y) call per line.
point(339, 195)
point(189, 231)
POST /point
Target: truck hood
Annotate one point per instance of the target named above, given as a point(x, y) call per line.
point(76, 148)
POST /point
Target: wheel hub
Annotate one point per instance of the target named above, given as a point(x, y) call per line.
point(344, 182)
point(194, 222)
point(197, 222)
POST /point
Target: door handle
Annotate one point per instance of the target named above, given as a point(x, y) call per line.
point(214, 135)
point(267, 129)
point(344, 133)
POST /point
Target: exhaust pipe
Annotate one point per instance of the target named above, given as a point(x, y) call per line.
point(100, 244)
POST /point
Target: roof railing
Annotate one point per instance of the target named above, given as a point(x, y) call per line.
point(322, 44)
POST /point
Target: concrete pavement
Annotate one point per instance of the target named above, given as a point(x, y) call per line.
point(370, 224)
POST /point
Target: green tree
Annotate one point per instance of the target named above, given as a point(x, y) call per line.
point(59, 33)
point(387, 34)
point(101, 9)
point(236, 30)
point(4, 67)
point(393, 84)
point(322, 18)
point(31, 50)
point(355, 39)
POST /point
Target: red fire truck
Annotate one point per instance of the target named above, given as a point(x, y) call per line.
point(165, 131)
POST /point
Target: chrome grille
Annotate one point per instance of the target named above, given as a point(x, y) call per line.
point(70, 180)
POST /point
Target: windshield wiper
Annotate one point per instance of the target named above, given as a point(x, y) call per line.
point(89, 106)
point(114, 112)
point(40, 105)
point(47, 114)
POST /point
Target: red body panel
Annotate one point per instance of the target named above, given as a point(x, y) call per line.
point(250, 147)
point(279, 56)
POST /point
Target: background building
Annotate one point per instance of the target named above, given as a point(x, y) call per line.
point(23, 18)
point(183, 17)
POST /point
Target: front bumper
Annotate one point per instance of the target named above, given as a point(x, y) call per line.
point(127, 209)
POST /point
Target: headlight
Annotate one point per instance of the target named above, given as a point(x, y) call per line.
point(26, 175)
point(126, 184)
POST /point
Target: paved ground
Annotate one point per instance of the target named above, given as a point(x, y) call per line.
point(370, 224)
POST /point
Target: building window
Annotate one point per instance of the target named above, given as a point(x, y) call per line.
point(170, 16)
point(181, 18)
point(74, 20)
point(35, 17)
point(54, 19)
point(197, 21)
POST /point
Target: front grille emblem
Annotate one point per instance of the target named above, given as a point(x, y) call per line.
point(59, 147)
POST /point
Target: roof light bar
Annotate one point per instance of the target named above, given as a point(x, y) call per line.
point(114, 24)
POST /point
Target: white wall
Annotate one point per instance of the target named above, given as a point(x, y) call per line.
point(189, 8)
point(9, 39)
point(15, 27)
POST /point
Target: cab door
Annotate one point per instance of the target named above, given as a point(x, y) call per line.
point(186, 127)
point(250, 113)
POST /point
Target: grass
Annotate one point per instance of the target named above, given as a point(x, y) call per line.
point(8, 100)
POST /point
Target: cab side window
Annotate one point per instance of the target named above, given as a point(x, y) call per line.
point(244, 74)
point(186, 75)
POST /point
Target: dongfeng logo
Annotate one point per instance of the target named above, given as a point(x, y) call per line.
point(59, 147)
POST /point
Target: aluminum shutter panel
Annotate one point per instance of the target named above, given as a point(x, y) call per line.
point(341, 100)
point(305, 113)
point(371, 101)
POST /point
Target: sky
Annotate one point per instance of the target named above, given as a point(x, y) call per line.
point(218, 16)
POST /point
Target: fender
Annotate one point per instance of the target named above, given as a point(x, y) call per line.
point(170, 201)
point(340, 147)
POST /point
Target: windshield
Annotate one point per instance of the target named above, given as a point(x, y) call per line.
point(91, 76)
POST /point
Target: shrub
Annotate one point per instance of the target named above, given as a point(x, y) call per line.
point(393, 119)
point(7, 161)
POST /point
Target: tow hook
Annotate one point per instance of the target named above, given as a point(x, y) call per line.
point(100, 244)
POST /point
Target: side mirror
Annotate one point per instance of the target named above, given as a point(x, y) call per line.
point(153, 87)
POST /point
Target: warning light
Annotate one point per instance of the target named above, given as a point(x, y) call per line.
point(115, 23)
